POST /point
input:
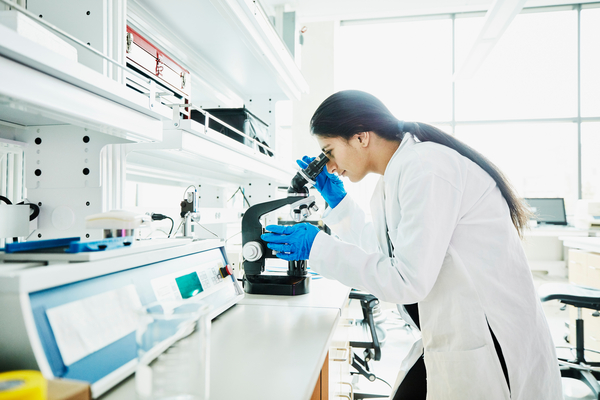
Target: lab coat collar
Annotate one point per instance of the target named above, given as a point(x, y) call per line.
point(406, 143)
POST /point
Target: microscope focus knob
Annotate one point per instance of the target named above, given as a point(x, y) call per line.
point(252, 251)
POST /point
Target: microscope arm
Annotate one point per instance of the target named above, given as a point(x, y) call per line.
point(254, 248)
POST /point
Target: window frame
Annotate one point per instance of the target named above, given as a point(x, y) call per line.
point(453, 123)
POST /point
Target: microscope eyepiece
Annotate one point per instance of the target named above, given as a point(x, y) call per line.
point(308, 174)
point(316, 166)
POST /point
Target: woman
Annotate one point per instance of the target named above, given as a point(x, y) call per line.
point(444, 243)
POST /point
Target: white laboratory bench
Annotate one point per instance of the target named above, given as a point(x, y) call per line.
point(591, 244)
point(545, 250)
point(584, 270)
point(268, 347)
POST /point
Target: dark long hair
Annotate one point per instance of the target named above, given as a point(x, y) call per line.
point(349, 112)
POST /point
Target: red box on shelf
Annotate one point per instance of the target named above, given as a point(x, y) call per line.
point(152, 62)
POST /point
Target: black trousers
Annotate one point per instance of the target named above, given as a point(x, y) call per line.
point(414, 385)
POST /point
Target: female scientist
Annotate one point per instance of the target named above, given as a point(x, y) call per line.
point(444, 243)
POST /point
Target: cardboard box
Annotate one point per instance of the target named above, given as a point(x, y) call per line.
point(66, 389)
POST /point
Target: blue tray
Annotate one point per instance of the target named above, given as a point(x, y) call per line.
point(39, 245)
point(68, 245)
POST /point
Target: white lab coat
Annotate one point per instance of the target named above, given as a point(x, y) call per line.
point(457, 254)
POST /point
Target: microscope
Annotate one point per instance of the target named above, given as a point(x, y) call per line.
point(255, 250)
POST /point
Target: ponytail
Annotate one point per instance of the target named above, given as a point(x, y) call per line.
point(519, 213)
point(349, 112)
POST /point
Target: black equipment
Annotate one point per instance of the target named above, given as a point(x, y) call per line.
point(255, 250)
point(242, 120)
point(372, 351)
point(579, 297)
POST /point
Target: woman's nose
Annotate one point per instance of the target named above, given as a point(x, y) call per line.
point(331, 167)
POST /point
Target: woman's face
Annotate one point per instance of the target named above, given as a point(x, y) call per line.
point(346, 157)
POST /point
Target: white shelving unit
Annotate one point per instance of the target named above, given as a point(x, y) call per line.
point(83, 142)
point(190, 149)
point(229, 46)
point(236, 59)
point(39, 87)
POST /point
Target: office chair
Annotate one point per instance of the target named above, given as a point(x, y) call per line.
point(372, 349)
point(579, 297)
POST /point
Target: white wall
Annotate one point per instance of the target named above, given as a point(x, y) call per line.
point(317, 68)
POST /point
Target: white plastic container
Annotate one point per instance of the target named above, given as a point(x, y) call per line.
point(173, 341)
point(35, 32)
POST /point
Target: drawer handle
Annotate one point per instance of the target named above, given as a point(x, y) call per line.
point(351, 389)
point(594, 339)
point(346, 351)
point(592, 267)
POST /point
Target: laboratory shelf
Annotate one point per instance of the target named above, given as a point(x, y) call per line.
point(190, 151)
point(40, 87)
point(230, 47)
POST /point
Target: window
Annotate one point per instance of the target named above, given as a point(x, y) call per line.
point(407, 65)
point(522, 109)
point(415, 85)
point(590, 62)
point(539, 160)
point(590, 166)
point(530, 73)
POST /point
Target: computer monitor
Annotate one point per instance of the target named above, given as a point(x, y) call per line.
point(548, 210)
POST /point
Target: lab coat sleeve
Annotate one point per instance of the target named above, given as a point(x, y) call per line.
point(349, 222)
point(430, 207)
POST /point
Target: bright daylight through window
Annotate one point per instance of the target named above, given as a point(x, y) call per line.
point(522, 109)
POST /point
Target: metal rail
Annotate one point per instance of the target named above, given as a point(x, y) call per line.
point(56, 29)
point(208, 117)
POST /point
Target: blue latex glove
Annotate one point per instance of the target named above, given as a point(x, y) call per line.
point(329, 185)
point(291, 242)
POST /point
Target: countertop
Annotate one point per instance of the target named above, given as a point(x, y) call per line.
point(268, 347)
point(584, 243)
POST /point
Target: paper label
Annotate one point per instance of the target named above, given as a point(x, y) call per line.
point(85, 326)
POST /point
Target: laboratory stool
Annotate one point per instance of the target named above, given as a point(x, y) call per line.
point(579, 297)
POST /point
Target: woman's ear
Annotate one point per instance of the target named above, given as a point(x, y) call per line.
point(363, 138)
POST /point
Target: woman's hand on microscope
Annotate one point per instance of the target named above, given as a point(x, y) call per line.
point(329, 185)
point(291, 242)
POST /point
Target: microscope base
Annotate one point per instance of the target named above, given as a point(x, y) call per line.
point(284, 285)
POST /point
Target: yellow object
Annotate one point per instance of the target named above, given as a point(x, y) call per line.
point(22, 385)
